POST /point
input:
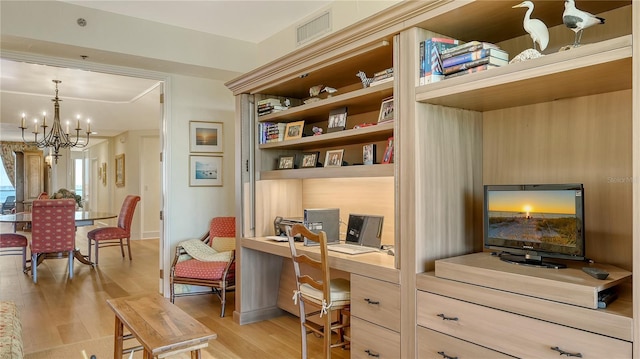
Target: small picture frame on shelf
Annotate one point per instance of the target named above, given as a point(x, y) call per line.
point(369, 154)
point(333, 158)
point(388, 152)
point(309, 159)
point(337, 119)
point(386, 110)
point(293, 130)
point(287, 162)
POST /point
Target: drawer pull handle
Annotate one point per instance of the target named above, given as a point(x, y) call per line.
point(371, 301)
point(445, 356)
point(372, 354)
point(562, 352)
point(444, 317)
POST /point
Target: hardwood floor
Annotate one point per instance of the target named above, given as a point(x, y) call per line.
point(58, 312)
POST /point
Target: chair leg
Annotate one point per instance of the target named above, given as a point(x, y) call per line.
point(172, 291)
point(121, 248)
point(303, 329)
point(71, 264)
point(34, 267)
point(223, 300)
point(327, 336)
point(89, 255)
point(24, 260)
point(129, 246)
point(97, 247)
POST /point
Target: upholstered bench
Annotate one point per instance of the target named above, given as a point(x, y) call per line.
point(10, 331)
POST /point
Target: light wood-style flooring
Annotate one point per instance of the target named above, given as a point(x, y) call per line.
point(58, 312)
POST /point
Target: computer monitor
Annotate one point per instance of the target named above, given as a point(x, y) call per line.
point(323, 219)
point(365, 230)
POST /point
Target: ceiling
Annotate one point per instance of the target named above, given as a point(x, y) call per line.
point(116, 103)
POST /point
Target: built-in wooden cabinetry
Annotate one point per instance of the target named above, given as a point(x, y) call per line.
point(568, 117)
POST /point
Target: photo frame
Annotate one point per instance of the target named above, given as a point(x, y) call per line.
point(388, 152)
point(120, 170)
point(386, 110)
point(333, 158)
point(369, 154)
point(309, 159)
point(337, 120)
point(103, 169)
point(205, 136)
point(287, 162)
point(205, 171)
point(293, 130)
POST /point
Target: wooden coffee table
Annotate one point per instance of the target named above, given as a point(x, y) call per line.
point(161, 327)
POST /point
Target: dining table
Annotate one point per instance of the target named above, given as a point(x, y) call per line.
point(82, 218)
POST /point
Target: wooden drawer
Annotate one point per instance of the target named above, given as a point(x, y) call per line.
point(511, 333)
point(373, 341)
point(432, 344)
point(376, 301)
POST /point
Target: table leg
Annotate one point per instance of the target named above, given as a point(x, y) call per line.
point(118, 339)
point(146, 354)
point(195, 354)
point(81, 258)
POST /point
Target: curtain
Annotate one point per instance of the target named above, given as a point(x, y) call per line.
point(9, 159)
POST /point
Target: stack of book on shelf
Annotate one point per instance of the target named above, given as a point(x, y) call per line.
point(270, 105)
point(381, 77)
point(430, 59)
point(271, 132)
point(474, 56)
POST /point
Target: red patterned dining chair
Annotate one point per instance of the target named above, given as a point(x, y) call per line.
point(207, 261)
point(14, 244)
point(53, 230)
point(113, 236)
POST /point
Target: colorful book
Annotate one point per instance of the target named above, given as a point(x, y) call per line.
point(430, 62)
point(471, 70)
point(470, 46)
point(467, 65)
point(472, 56)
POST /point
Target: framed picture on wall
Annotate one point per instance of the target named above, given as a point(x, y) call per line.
point(205, 171)
point(205, 136)
point(120, 170)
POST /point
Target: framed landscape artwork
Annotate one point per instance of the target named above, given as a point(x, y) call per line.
point(205, 171)
point(205, 136)
point(120, 170)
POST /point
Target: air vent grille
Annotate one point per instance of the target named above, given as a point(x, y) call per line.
point(313, 28)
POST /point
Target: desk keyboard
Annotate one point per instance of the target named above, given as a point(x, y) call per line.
point(350, 248)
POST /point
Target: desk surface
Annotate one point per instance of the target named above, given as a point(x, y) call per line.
point(379, 265)
point(79, 216)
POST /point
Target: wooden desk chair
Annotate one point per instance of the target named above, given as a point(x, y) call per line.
point(215, 268)
point(113, 236)
point(335, 296)
point(53, 230)
point(14, 244)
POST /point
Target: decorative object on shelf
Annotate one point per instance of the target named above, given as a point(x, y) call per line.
point(315, 90)
point(205, 136)
point(388, 152)
point(317, 131)
point(329, 90)
point(57, 138)
point(578, 20)
point(310, 160)
point(369, 154)
point(337, 119)
point(386, 110)
point(104, 173)
point(287, 162)
point(120, 170)
point(366, 81)
point(381, 77)
point(525, 55)
point(333, 158)
point(363, 125)
point(205, 171)
point(536, 28)
point(293, 130)
point(65, 193)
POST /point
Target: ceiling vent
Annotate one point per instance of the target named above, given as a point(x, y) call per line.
point(313, 28)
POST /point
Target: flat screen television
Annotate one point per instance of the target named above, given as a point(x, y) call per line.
point(529, 223)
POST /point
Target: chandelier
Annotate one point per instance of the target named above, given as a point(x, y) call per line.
point(56, 138)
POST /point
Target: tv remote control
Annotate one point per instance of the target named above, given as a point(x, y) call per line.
point(596, 272)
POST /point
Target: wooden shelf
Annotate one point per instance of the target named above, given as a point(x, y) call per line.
point(347, 137)
point(359, 101)
point(587, 70)
point(379, 170)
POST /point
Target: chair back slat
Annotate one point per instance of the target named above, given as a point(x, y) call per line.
point(126, 212)
point(322, 264)
point(53, 225)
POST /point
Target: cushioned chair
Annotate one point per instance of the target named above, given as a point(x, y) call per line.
point(53, 230)
point(213, 268)
point(9, 204)
point(336, 296)
point(14, 244)
point(113, 236)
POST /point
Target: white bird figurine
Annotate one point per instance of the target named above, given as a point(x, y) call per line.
point(578, 20)
point(536, 28)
